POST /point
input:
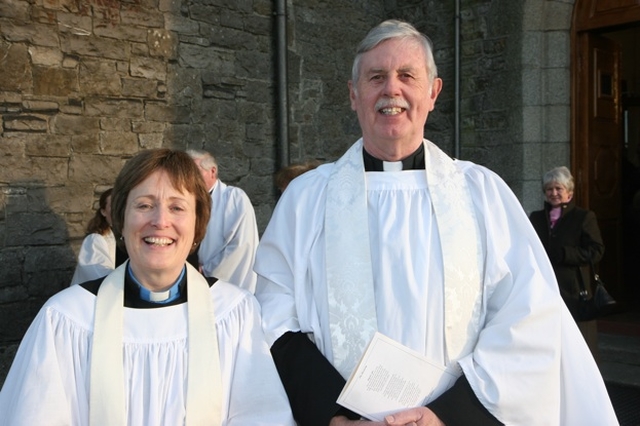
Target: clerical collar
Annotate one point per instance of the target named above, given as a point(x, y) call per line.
point(158, 296)
point(414, 161)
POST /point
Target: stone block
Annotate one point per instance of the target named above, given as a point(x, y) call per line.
point(17, 10)
point(70, 5)
point(73, 198)
point(45, 283)
point(150, 140)
point(40, 106)
point(213, 60)
point(134, 15)
point(115, 124)
point(32, 170)
point(120, 32)
point(48, 145)
point(532, 81)
point(149, 68)
point(99, 78)
point(95, 168)
point(557, 15)
point(557, 123)
point(162, 43)
point(205, 13)
point(11, 274)
point(19, 314)
point(119, 143)
point(557, 84)
point(86, 144)
point(169, 114)
point(532, 124)
point(94, 47)
point(54, 81)
point(16, 72)
point(147, 127)
point(74, 23)
point(184, 87)
point(45, 56)
point(65, 124)
point(39, 35)
point(174, 7)
point(259, 24)
point(7, 354)
point(558, 49)
point(25, 123)
point(181, 135)
point(183, 26)
point(35, 229)
point(71, 109)
point(114, 107)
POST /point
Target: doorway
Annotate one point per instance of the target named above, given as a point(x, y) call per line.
point(605, 151)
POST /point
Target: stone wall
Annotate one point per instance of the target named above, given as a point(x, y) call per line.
point(85, 84)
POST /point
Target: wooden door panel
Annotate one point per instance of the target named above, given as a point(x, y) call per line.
point(604, 146)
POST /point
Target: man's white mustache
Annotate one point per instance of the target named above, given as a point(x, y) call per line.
point(392, 103)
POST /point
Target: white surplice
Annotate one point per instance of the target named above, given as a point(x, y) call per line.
point(97, 257)
point(48, 383)
point(530, 365)
point(229, 246)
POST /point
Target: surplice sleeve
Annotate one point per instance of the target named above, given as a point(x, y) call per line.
point(95, 259)
point(256, 394)
point(530, 364)
point(37, 389)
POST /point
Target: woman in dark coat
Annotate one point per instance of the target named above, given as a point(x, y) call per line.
point(572, 240)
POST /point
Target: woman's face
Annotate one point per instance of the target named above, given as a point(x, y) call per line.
point(557, 194)
point(158, 230)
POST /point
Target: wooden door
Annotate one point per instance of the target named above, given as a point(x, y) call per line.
point(598, 167)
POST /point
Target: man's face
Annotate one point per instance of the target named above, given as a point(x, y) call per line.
point(393, 97)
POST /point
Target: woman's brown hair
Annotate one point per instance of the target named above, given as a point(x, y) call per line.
point(182, 172)
point(98, 223)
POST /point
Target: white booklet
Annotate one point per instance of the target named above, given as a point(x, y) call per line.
point(391, 377)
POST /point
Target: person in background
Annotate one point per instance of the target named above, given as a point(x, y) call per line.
point(228, 249)
point(571, 238)
point(154, 342)
point(99, 254)
point(435, 253)
point(285, 175)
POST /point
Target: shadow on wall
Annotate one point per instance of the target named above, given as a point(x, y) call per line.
point(36, 257)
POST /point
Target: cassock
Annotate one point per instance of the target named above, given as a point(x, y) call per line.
point(524, 362)
point(229, 246)
point(49, 380)
point(97, 257)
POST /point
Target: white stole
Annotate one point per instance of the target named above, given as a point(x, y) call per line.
point(352, 310)
point(204, 381)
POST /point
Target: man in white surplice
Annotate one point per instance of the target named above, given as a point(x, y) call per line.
point(435, 253)
point(229, 246)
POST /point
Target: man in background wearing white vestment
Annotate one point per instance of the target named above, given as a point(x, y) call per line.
point(229, 246)
point(435, 253)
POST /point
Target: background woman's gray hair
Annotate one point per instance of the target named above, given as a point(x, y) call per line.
point(561, 175)
point(388, 30)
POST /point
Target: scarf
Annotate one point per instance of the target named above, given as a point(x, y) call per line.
point(352, 310)
point(204, 383)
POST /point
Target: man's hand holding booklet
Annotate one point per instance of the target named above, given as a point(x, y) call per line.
point(391, 377)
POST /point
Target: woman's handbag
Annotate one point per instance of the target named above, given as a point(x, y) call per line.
point(600, 304)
